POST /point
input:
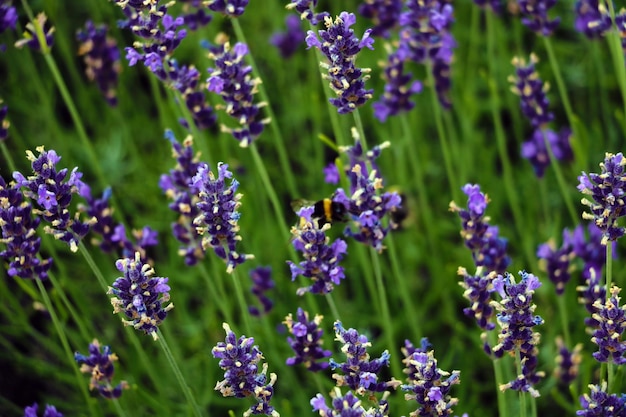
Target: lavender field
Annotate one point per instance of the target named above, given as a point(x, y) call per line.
point(312, 208)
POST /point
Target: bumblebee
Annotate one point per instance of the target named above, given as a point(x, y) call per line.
point(324, 211)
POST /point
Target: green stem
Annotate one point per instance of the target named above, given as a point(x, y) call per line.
point(443, 141)
point(498, 372)
point(66, 347)
point(283, 159)
point(333, 307)
point(245, 315)
point(564, 313)
point(617, 55)
point(405, 293)
point(179, 376)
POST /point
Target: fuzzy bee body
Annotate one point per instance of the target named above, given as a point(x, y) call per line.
point(324, 211)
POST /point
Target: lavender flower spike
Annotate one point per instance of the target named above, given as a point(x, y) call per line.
point(37, 31)
point(321, 260)
point(517, 320)
point(307, 341)
point(232, 80)
point(611, 321)
point(140, 296)
point(218, 213)
point(240, 358)
point(428, 385)
point(340, 46)
point(50, 411)
point(599, 403)
point(305, 8)
point(607, 190)
point(230, 8)
point(535, 16)
point(99, 364)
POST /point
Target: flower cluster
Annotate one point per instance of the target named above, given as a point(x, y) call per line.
point(160, 34)
point(178, 187)
point(321, 260)
point(102, 59)
point(240, 358)
point(516, 320)
point(478, 289)
point(488, 248)
point(591, 251)
point(599, 403)
point(384, 13)
point(399, 87)
point(558, 262)
point(346, 405)
point(112, 236)
point(262, 282)
point(611, 320)
point(340, 46)
point(307, 341)
point(230, 8)
point(535, 149)
point(567, 362)
point(19, 234)
point(288, 42)
point(428, 385)
point(50, 411)
point(425, 38)
point(592, 295)
point(368, 206)
point(140, 296)
point(31, 35)
point(592, 18)
point(305, 8)
point(194, 13)
point(99, 364)
point(8, 19)
point(53, 193)
point(218, 218)
point(232, 80)
point(606, 191)
point(535, 16)
point(360, 373)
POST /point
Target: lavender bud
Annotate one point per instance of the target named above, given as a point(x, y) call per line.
point(99, 364)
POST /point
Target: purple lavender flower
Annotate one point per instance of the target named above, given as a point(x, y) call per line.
point(140, 296)
point(99, 364)
point(194, 14)
point(31, 38)
point(369, 207)
point(102, 59)
point(532, 91)
point(331, 173)
point(305, 8)
point(358, 372)
point(177, 186)
point(230, 8)
point(428, 385)
point(19, 234)
point(232, 80)
point(535, 16)
point(340, 47)
point(599, 403)
point(262, 282)
point(592, 18)
point(4, 123)
point(186, 79)
point(534, 149)
point(240, 358)
point(307, 341)
point(288, 42)
point(321, 260)
point(611, 319)
point(53, 193)
point(399, 87)
point(567, 362)
point(8, 19)
point(347, 405)
point(218, 217)
point(591, 251)
point(557, 262)
point(590, 294)
point(516, 319)
point(425, 38)
point(488, 248)
point(478, 289)
point(384, 13)
point(50, 411)
point(607, 191)
point(160, 34)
